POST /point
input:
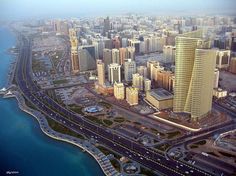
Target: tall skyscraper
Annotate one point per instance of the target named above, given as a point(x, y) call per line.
point(101, 72)
point(119, 91)
point(74, 53)
point(87, 59)
point(115, 56)
point(194, 75)
point(106, 27)
point(114, 73)
point(107, 57)
point(129, 69)
point(123, 55)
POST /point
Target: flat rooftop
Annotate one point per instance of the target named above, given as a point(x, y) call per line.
point(161, 94)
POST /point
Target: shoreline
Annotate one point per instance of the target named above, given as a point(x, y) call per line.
point(106, 167)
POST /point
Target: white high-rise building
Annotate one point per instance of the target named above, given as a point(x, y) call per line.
point(114, 73)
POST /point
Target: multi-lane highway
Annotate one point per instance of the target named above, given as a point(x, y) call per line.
point(77, 123)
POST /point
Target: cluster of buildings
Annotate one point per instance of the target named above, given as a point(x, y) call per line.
point(187, 76)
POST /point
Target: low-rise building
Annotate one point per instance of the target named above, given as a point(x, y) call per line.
point(219, 93)
point(160, 98)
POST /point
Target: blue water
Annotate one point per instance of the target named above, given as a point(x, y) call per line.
point(23, 146)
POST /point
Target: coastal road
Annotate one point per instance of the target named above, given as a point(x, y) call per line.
point(77, 123)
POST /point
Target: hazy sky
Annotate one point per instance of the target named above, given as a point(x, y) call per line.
point(10, 9)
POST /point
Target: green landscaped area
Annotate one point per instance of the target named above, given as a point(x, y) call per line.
point(62, 129)
point(162, 147)
point(61, 81)
point(212, 153)
point(107, 122)
point(116, 164)
point(197, 144)
point(202, 142)
point(119, 119)
point(137, 123)
point(105, 104)
point(173, 134)
point(226, 154)
point(77, 109)
point(38, 66)
point(156, 132)
point(106, 152)
point(146, 172)
point(94, 119)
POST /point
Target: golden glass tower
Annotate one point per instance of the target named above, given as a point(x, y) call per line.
point(194, 75)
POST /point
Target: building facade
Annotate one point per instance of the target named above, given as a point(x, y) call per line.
point(114, 73)
point(132, 96)
point(193, 89)
point(119, 91)
point(129, 69)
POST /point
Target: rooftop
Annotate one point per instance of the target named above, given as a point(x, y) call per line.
point(161, 94)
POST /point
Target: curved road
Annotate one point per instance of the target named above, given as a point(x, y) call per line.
point(77, 123)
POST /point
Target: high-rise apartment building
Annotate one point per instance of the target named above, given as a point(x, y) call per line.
point(123, 55)
point(74, 54)
point(142, 70)
point(132, 96)
point(101, 72)
point(169, 54)
point(107, 57)
point(137, 81)
point(129, 69)
point(152, 68)
point(222, 59)
point(115, 56)
point(194, 75)
point(131, 52)
point(232, 67)
point(147, 85)
point(114, 73)
point(106, 27)
point(119, 91)
point(87, 59)
point(162, 79)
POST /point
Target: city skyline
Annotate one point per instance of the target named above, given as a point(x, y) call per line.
point(26, 9)
point(141, 87)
